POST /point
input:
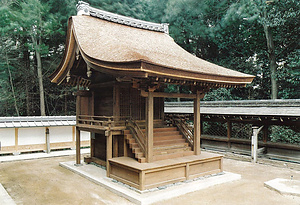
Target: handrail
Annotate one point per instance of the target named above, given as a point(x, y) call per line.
point(137, 133)
point(108, 121)
point(104, 121)
point(185, 130)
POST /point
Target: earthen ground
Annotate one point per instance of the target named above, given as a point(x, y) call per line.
point(43, 181)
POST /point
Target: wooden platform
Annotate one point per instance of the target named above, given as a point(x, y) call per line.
point(144, 176)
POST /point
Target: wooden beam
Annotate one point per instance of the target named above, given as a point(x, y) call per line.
point(149, 127)
point(170, 95)
point(197, 123)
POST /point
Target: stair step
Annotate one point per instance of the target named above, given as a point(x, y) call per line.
point(128, 136)
point(168, 137)
point(139, 155)
point(158, 134)
point(172, 155)
point(136, 150)
point(169, 142)
point(142, 160)
point(173, 150)
point(133, 145)
point(162, 129)
point(173, 146)
point(127, 132)
point(131, 140)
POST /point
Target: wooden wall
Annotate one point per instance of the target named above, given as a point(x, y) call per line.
point(100, 146)
point(103, 101)
point(133, 104)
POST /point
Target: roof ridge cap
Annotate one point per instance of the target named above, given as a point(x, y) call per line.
point(84, 8)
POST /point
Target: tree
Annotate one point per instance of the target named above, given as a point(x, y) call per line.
point(275, 17)
point(37, 24)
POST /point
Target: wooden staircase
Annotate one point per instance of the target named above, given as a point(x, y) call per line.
point(168, 143)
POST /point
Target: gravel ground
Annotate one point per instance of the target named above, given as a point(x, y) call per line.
point(43, 181)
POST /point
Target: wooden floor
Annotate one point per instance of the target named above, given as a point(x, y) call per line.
point(150, 175)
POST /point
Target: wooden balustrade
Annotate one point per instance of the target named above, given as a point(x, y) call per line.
point(137, 134)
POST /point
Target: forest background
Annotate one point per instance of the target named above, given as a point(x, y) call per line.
point(257, 37)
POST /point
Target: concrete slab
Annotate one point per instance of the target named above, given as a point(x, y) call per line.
point(98, 176)
point(8, 158)
point(284, 186)
point(5, 198)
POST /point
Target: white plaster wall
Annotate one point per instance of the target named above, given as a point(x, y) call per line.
point(84, 135)
point(7, 137)
point(60, 134)
point(34, 135)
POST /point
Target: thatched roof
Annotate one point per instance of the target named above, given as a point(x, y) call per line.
point(122, 50)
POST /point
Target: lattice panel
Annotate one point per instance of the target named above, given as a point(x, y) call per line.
point(242, 131)
point(214, 129)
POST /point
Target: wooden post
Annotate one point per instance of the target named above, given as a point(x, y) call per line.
point(125, 147)
point(16, 142)
point(92, 144)
point(197, 124)
point(116, 98)
point(73, 137)
point(265, 133)
point(78, 160)
point(229, 132)
point(115, 146)
point(149, 127)
point(47, 140)
point(109, 142)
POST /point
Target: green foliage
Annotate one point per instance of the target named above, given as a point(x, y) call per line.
point(285, 134)
point(225, 32)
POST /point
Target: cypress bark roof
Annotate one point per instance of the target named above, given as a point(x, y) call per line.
point(138, 52)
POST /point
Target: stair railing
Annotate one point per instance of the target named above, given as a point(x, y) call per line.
point(185, 130)
point(137, 133)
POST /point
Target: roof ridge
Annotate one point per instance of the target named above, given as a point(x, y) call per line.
point(84, 8)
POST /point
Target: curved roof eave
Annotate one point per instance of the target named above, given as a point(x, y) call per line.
point(121, 58)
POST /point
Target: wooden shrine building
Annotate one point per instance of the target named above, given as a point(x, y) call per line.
point(121, 66)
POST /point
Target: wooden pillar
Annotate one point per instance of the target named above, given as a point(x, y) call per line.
point(115, 146)
point(197, 124)
point(92, 144)
point(149, 127)
point(16, 142)
point(78, 160)
point(116, 98)
point(265, 133)
point(229, 133)
point(109, 142)
point(73, 137)
point(125, 147)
